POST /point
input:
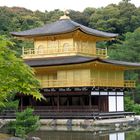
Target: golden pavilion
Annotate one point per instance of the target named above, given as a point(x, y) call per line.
point(77, 78)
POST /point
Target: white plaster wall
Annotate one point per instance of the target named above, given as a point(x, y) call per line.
point(94, 93)
point(120, 93)
point(120, 103)
point(112, 103)
point(112, 137)
point(117, 136)
point(121, 136)
point(112, 93)
point(103, 93)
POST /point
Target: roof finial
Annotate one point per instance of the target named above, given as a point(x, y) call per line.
point(65, 16)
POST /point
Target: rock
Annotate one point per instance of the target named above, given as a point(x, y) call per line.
point(35, 138)
point(54, 122)
point(69, 122)
point(137, 120)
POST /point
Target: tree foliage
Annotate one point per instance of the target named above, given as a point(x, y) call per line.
point(128, 50)
point(121, 18)
point(25, 123)
point(15, 75)
point(130, 106)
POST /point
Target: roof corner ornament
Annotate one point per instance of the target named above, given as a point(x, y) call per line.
point(65, 16)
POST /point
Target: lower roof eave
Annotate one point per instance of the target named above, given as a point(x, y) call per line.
point(73, 60)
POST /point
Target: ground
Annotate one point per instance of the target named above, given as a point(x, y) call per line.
point(4, 136)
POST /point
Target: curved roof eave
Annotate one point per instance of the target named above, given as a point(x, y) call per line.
point(68, 60)
point(62, 27)
point(122, 63)
point(103, 36)
point(45, 34)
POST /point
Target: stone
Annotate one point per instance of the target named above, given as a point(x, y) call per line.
point(35, 138)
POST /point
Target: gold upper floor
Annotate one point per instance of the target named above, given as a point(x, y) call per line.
point(63, 47)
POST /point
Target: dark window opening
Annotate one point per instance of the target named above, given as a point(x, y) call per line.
point(94, 100)
point(63, 101)
point(50, 101)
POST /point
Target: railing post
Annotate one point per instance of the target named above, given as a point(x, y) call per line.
point(35, 51)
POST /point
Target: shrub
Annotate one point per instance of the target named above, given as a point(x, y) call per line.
point(130, 106)
point(25, 123)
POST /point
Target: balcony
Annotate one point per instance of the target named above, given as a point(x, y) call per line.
point(79, 83)
point(41, 53)
point(130, 83)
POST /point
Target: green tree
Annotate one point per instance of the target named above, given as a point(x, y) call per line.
point(25, 123)
point(128, 50)
point(89, 11)
point(79, 17)
point(15, 75)
point(130, 106)
point(52, 16)
point(120, 18)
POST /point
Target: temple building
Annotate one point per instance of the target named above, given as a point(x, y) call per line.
point(76, 77)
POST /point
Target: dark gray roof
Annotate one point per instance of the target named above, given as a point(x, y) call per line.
point(67, 60)
point(121, 63)
point(62, 26)
point(57, 61)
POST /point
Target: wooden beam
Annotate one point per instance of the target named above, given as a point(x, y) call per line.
point(90, 101)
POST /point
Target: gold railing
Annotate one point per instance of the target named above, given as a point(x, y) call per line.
point(130, 83)
point(79, 83)
point(35, 53)
point(101, 52)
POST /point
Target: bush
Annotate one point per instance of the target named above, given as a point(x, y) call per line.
point(130, 106)
point(25, 123)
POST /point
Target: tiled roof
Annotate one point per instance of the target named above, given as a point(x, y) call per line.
point(62, 26)
point(67, 60)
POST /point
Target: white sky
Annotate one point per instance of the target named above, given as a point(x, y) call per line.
point(48, 5)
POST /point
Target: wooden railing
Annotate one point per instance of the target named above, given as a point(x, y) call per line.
point(35, 53)
point(72, 108)
point(130, 83)
point(79, 83)
point(101, 52)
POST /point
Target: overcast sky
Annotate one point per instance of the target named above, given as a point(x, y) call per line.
point(48, 5)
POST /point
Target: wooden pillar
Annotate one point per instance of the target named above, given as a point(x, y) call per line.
point(99, 106)
point(67, 100)
point(90, 101)
point(58, 102)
